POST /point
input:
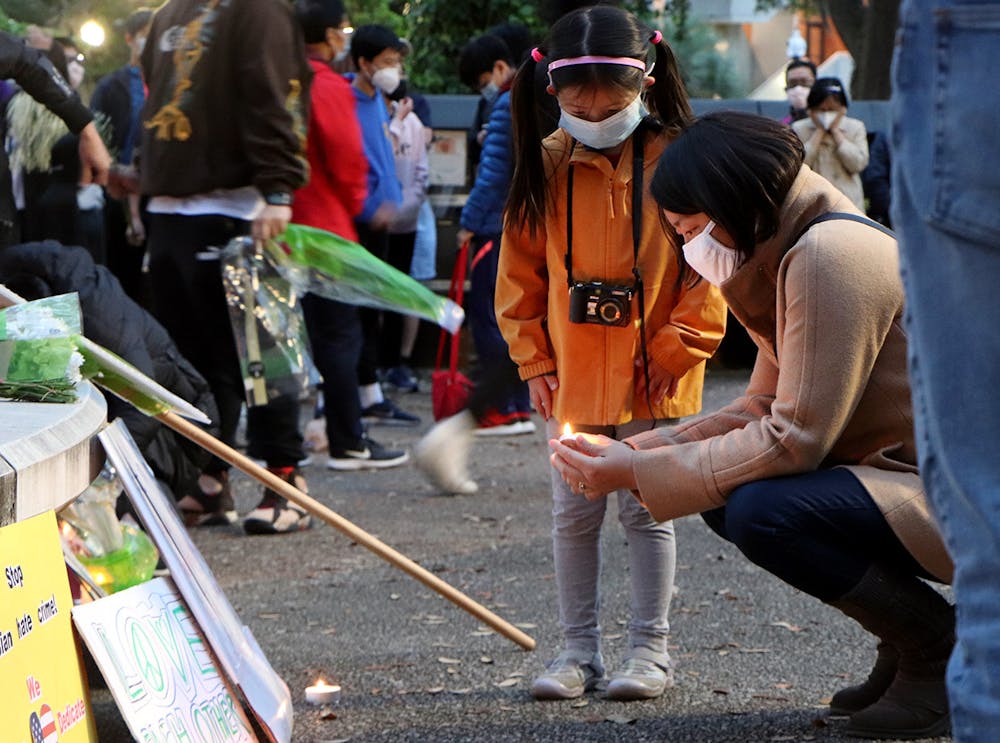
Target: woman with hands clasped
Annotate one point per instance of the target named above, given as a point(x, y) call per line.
point(812, 472)
point(596, 309)
point(836, 145)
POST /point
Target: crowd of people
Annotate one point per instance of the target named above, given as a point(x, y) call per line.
point(612, 233)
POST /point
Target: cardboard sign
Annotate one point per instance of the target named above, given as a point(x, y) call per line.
point(159, 668)
point(42, 691)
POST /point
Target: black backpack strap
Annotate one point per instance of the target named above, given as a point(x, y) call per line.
point(847, 216)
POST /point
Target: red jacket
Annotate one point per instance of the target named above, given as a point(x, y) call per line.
point(338, 170)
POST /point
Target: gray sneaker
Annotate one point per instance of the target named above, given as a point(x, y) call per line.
point(568, 676)
point(639, 678)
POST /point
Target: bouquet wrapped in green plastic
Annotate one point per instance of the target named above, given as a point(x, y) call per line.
point(316, 261)
point(39, 358)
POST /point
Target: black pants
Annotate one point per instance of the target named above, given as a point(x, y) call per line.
point(335, 337)
point(819, 532)
point(190, 302)
point(375, 242)
point(399, 256)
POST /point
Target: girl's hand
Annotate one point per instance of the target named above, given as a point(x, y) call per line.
point(662, 384)
point(835, 124)
point(593, 465)
point(541, 389)
point(814, 116)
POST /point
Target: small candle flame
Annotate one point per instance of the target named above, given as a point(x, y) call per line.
point(320, 684)
point(567, 430)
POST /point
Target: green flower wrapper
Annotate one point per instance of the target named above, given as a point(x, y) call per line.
point(39, 361)
point(316, 261)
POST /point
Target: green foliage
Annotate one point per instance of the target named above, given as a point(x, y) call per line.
point(707, 73)
point(40, 12)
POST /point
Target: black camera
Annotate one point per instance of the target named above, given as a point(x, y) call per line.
point(601, 304)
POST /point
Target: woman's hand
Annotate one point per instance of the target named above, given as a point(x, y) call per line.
point(540, 389)
point(662, 384)
point(593, 465)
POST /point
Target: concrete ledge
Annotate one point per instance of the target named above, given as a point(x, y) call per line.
point(47, 457)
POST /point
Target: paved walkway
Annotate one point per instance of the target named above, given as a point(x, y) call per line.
point(756, 661)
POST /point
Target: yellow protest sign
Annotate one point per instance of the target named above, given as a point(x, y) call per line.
point(42, 691)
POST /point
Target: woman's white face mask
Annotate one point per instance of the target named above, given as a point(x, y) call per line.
point(609, 132)
point(706, 255)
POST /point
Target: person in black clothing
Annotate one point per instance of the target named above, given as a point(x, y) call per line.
point(113, 320)
point(33, 71)
point(875, 178)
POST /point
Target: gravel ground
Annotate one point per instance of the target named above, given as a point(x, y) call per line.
point(755, 660)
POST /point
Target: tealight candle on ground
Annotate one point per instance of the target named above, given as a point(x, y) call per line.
point(323, 693)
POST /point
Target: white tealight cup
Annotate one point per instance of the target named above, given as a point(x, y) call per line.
point(323, 693)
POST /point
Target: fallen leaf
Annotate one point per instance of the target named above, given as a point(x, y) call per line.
point(394, 597)
point(613, 637)
point(787, 626)
point(783, 685)
point(508, 682)
point(460, 691)
point(720, 691)
point(329, 631)
point(620, 719)
point(435, 690)
point(448, 661)
point(755, 650)
point(524, 625)
point(580, 703)
point(486, 659)
point(268, 615)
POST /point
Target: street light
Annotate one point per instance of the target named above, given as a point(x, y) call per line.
point(92, 33)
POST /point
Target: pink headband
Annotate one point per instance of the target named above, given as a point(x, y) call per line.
point(591, 59)
point(536, 54)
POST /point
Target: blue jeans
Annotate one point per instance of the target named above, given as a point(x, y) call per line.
point(491, 347)
point(819, 532)
point(946, 208)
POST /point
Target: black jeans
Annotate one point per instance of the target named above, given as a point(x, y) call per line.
point(399, 256)
point(375, 242)
point(189, 301)
point(335, 337)
point(819, 532)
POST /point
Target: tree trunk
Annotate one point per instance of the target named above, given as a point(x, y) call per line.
point(868, 30)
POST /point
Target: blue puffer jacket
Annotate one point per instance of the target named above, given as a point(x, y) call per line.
point(483, 212)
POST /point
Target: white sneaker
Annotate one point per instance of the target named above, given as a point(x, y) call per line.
point(443, 452)
point(639, 678)
point(568, 676)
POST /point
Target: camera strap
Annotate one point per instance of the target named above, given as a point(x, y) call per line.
point(638, 187)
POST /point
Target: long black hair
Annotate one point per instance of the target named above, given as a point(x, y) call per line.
point(601, 30)
point(735, 167)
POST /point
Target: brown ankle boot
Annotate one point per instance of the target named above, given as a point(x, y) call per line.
point(857, 697)
point(911, 616)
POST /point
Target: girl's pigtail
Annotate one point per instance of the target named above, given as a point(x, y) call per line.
point(526, 200)
point(668, 93)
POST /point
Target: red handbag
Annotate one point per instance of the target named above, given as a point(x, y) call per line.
point(450, 389)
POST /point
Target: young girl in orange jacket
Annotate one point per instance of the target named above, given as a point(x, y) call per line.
point(603, 320)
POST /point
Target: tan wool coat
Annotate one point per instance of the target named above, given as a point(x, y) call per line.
point(829, 387)
point(595, 364)
point(840, 164)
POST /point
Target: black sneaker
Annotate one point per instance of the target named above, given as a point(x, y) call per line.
point(276, 515)
point(367, 454)
point(388, 414)
point(402, 378)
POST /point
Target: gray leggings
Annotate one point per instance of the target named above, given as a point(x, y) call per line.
point(576, 536)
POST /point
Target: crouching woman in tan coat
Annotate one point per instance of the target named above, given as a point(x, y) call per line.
point(812, 472)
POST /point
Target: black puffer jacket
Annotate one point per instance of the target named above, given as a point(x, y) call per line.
point(113, 320)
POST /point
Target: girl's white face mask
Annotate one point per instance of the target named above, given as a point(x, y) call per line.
point(607, 133)
point(706, 255)
point(826, 118)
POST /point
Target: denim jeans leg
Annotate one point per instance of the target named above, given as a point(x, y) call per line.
point(947, 212)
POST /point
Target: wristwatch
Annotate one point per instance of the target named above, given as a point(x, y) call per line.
point(278, 198)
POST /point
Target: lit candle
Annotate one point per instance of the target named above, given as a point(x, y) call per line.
point(323, 693)
point(567, 433)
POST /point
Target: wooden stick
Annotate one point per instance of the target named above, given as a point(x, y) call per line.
point(387, 553)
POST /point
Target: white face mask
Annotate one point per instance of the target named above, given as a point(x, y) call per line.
point(607, 133)
point(797, 97)
point(826, 118)
point(706, 255)
point(387, 79)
